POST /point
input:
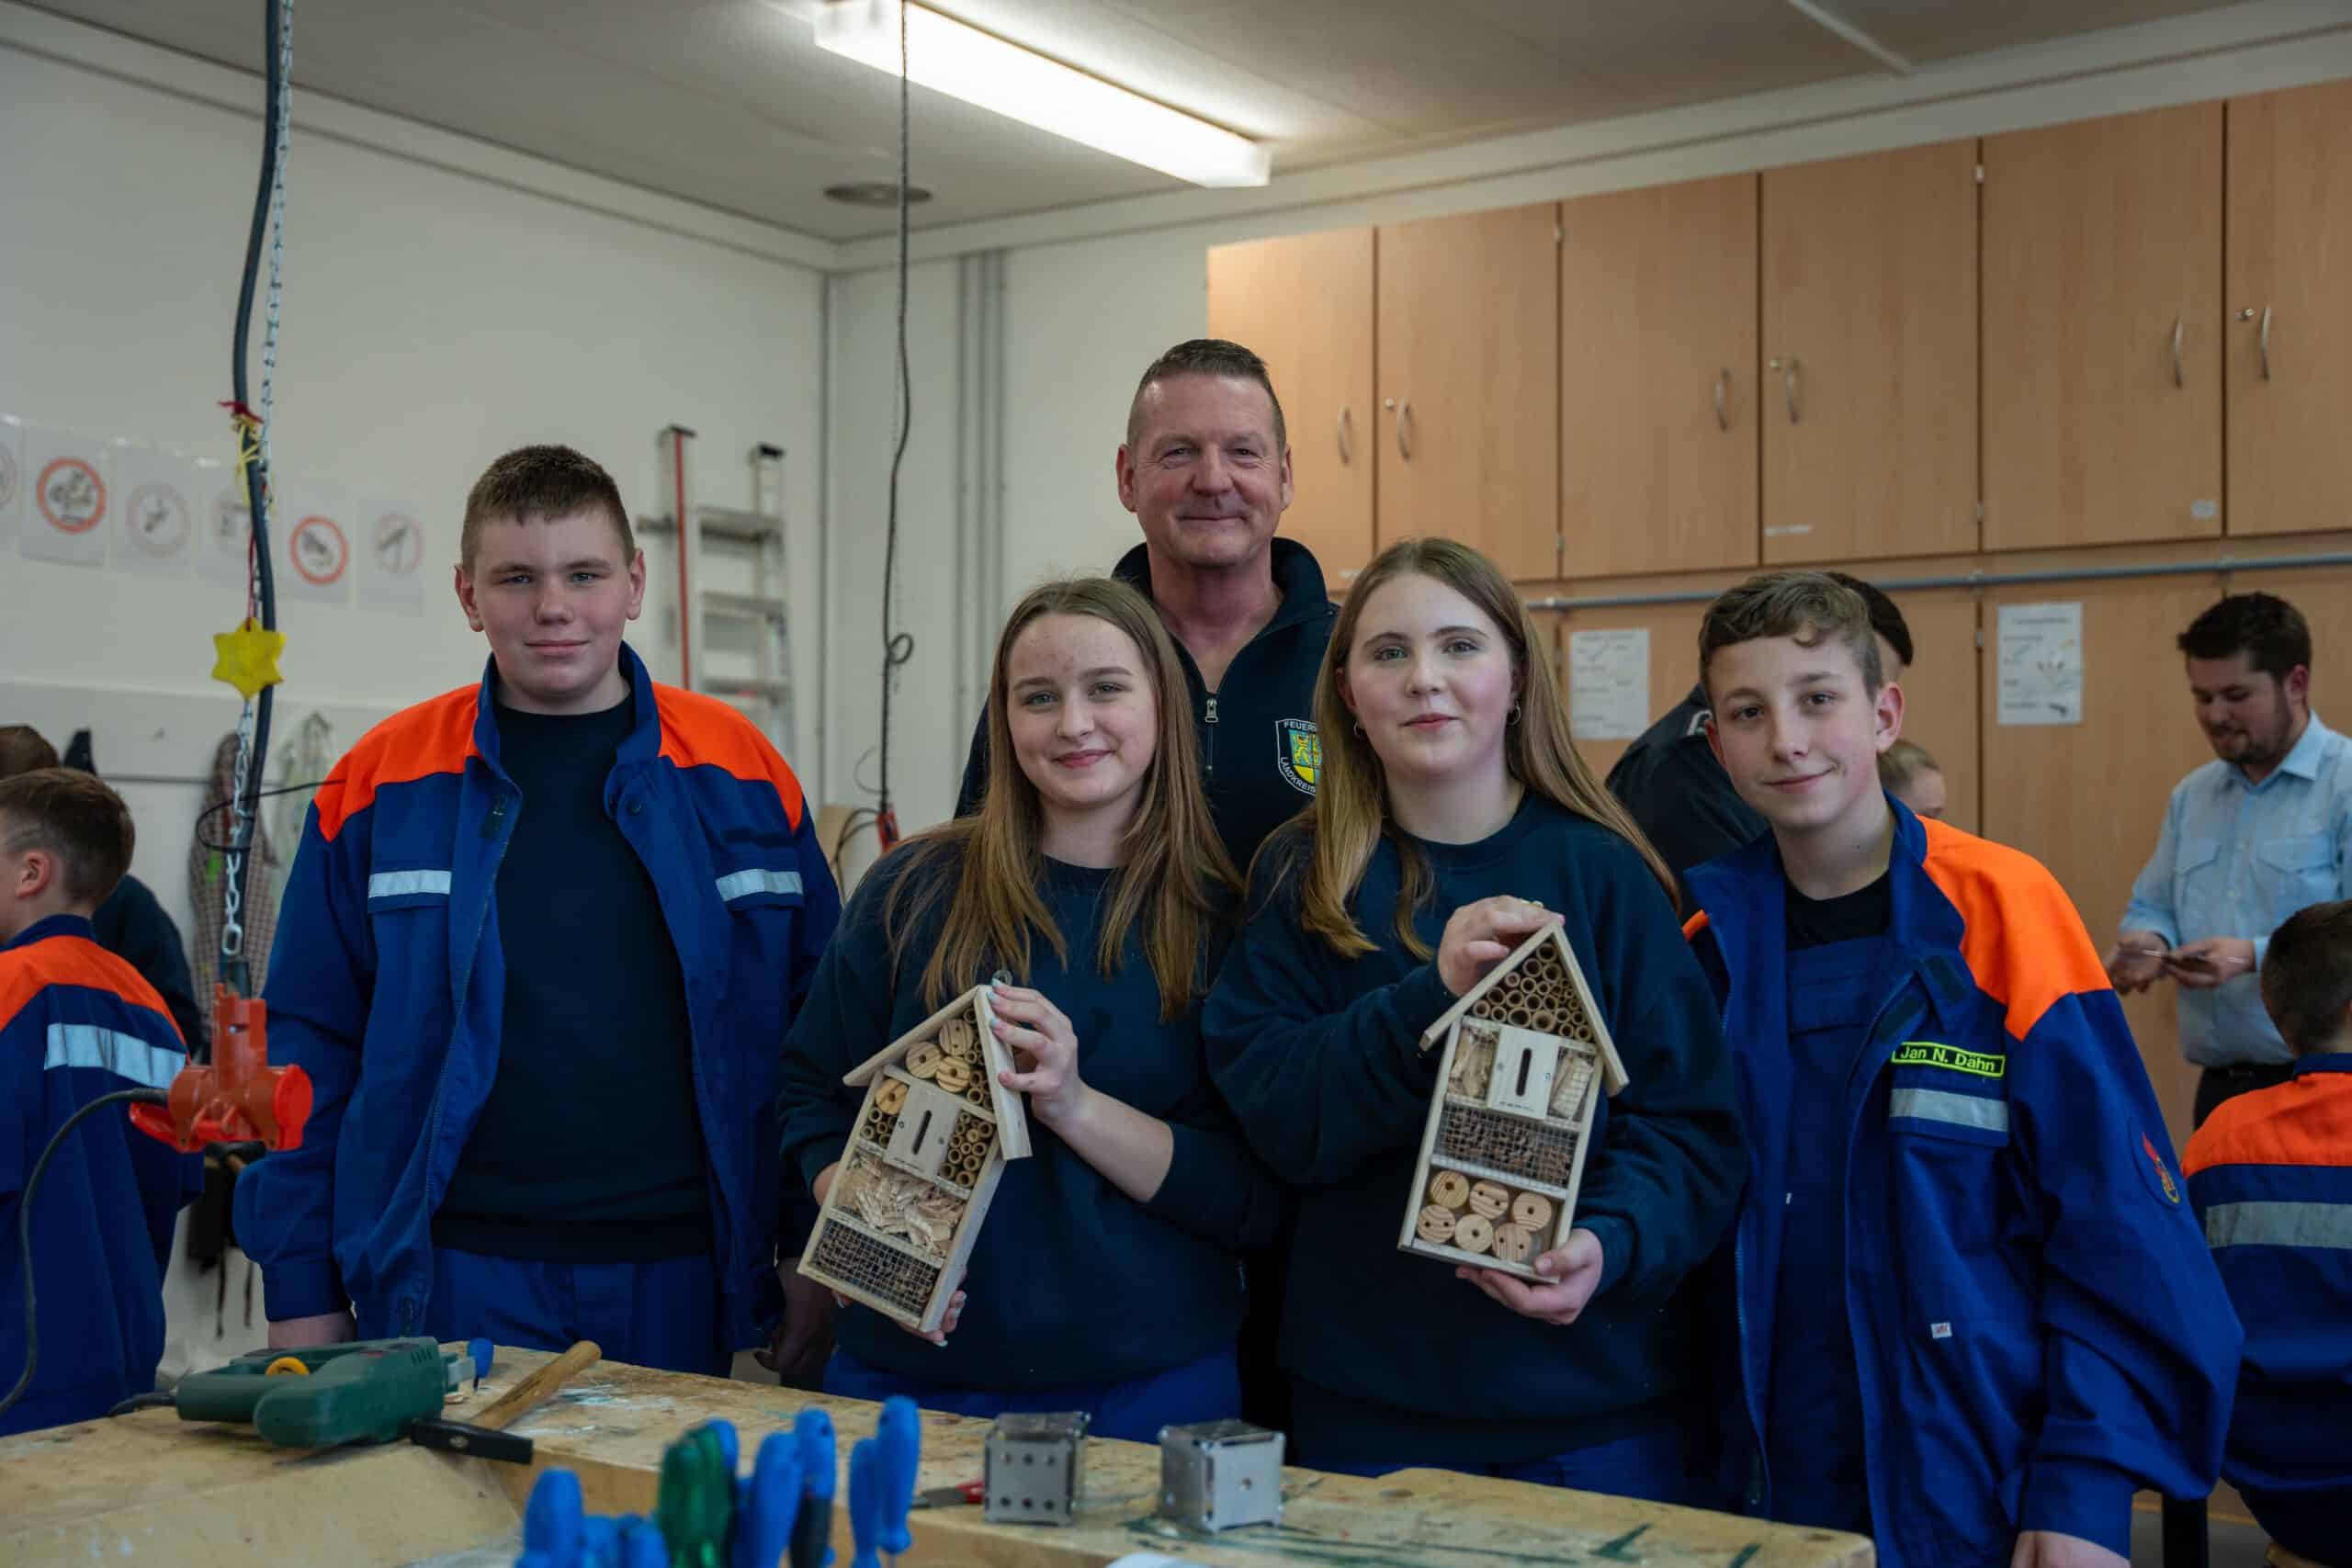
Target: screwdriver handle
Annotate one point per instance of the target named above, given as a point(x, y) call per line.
point(865, 1503)
point(899, 1439)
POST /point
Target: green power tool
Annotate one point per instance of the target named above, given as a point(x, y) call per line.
point(365, 1391)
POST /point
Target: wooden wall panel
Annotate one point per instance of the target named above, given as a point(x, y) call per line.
point(1304, 303)
point(1870, 309)
point(1674, 661)
point(1658, 318)
point(2099, 237)
point(2291, 275)
point(1468, 361)
point(2086, 800)
point(1941, 694)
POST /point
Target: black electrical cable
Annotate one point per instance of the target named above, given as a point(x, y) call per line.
point(235, 969)
point(897, 648)
point(218, 806)
point(24, 1227)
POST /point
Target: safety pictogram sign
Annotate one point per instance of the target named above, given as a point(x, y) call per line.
point(319, 550)
point(70, 495)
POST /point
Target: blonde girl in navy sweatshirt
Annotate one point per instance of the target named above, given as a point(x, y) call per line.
point(1453, 816)
point(1108, 1275)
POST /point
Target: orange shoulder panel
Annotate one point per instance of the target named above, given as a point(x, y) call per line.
point(2021, 938)
point(2305, 1120)
point(26, 971)
point(702, 731)
point(1693, 926)
point(435, 736)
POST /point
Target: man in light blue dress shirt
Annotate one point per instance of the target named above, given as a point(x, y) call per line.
point(2264, 831)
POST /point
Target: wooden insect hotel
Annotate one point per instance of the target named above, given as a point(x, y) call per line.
point(1526, 1059)
point(931, 1140)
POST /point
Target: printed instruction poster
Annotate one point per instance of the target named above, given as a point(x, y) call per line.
point(1608, 683)
point(2041, 663)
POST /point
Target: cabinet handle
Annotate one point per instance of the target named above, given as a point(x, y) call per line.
point(2247, 315)
point(2175, 352)
point(1789, 383)
point(1347, 436)
point(1722, 396)
point(1404, 429)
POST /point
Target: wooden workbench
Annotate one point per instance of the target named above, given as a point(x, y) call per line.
point(149, 1488)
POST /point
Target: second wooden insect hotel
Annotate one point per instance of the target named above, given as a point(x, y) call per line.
point(923, 1162)
point(1526, 1060)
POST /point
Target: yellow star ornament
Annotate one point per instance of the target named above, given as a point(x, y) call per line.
point(248, 658)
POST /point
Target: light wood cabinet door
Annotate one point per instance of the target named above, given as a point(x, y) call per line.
point(1870, 344)
point(2086, 800)
point(1658, 379)
point(1303, 305)
point(2102, 376)
point(2286, 332)
point(1940, 695)
point(1469, 369)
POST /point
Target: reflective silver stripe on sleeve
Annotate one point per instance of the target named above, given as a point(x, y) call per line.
point(2279, 1224)
point(400, 883)
point(743, 883)
point(1958, 1109)
point(110, 1050)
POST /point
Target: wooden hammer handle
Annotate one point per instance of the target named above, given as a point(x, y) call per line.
point(541, 1385)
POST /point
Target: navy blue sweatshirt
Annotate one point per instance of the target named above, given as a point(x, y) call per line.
point(1391, 1357)
point(1072, 1281)
point(1259, 753)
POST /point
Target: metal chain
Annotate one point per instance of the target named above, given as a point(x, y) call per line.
point(241, 821)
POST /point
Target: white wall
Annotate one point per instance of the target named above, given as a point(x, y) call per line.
point(432, 320)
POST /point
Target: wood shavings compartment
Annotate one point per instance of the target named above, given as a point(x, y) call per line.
point(923, 1158)
point(1525, 1061)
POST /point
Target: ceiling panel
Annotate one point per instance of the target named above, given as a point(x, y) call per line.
point(730, 103)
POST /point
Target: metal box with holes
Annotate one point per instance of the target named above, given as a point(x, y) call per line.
point(931, 1140)
point(1221, 1475)
point(1526, 1058)
point(1033, 1464)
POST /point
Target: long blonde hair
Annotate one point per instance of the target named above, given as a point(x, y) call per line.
point(1175, 872)
point(1352, 811)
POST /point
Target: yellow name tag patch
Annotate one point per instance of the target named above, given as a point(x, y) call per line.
point(1929, 1053)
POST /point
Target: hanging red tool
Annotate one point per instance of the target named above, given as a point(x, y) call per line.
point(237, 1097)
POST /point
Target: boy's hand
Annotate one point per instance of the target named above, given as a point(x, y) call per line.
point(2200, 965)
point(2137, 961)
point(310, 1332)
point(1574, 1269)
point(2048, 1549)
point(1481, 935)
point(796, 1351)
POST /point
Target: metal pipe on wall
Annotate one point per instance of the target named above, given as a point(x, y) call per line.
point(2221, 566)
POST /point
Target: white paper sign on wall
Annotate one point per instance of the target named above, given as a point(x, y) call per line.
point(2040, 650)
point(69, 485)
point(1608, 683)
point(157, 511)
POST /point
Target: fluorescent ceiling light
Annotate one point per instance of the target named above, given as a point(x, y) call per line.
point(948, 57)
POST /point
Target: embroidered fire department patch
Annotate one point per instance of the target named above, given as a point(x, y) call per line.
point(2153, 1170)
point(1298, 752)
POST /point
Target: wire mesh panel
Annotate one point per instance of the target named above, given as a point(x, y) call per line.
point(872, 1268)
point(1514, 1145)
